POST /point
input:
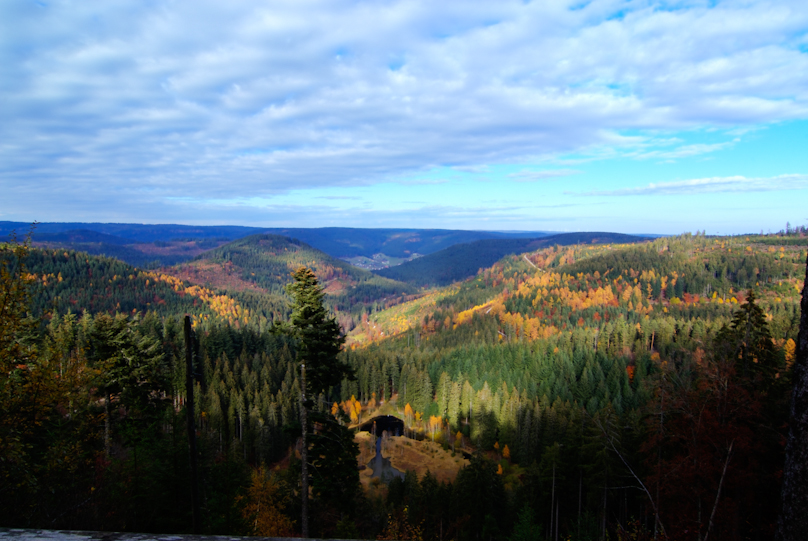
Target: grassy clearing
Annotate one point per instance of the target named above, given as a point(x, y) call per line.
point(419, 456)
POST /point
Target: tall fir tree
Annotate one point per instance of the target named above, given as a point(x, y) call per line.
point(319, 340)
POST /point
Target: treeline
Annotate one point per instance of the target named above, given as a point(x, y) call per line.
point(595, 399)
point(668, 417)
point(93, 422)
point(461, 261)
point(65, 280)
point(566, 338)
point(267, 260)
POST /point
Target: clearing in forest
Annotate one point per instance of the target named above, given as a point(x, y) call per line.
point(409, 455)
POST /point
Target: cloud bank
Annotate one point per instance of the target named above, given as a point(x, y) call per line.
point(133, 103)
point(713, 185)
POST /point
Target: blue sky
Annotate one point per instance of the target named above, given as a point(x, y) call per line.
point(629, 116)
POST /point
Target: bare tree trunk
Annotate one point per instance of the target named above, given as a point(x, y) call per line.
point(555, 537)
point(718, 492)
point(106, 423)
point(189, 416)
point(304, 455)
point(793, 522)
point(552, 503)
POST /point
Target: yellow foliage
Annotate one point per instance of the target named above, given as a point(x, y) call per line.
point(265, 505)
point(790, 351)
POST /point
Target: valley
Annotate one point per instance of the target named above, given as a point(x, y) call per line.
point(538, 379)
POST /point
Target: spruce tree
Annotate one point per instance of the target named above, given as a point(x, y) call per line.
point(319, 340)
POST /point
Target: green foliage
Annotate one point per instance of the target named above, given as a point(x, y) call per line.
point(460, 261)
point(318, 336)
point(526, 528)
point(596, 395)
point(478, 494)
point(335, 479)
point(266, 260)
point(67, 280)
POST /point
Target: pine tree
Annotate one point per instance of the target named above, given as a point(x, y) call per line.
point(319, 340)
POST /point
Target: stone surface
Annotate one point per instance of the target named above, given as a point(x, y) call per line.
point(16, 534)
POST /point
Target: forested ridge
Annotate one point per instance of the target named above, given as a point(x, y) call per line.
point(263, 263)
point(627, 391)
point(461, 261)
point(242, 281)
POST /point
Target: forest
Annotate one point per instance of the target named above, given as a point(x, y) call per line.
point(460, 261)
point(593, 391)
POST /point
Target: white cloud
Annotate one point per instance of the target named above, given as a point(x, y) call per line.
point(548, 174)
point(682, 151)
point(212, 98)
point(713, 185)
point(423, 182)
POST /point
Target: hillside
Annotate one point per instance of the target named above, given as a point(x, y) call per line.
point(552, 369)
point(152, 246)
point(144, 255)
point(461, 261)
point(346, 243)
point(682, 273)
point(262, 264)
point(66, 280)
point(133, 233)
point(241, 281)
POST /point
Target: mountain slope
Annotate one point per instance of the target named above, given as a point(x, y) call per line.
point(262, 264)
point(591, 287)
point(143, 233)
point(66, 280)
point(169, 244)
point(346, 242)
point(461, 261)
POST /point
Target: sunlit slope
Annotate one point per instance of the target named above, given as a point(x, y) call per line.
point(65, 280)
point(262, 264)
point(461, 261)
point(559, 289)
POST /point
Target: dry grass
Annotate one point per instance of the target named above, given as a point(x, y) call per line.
point(419, 456)
point(408, 455)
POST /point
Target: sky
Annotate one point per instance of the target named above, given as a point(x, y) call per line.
point(550, 115)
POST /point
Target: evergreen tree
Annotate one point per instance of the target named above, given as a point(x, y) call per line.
point(319, 340)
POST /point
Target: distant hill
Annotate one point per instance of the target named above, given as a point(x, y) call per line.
point(82, 236)
point(262, 264)
point(141, 245)
point(346, 242)
point(150, 255)
point(135, 233)
point(152, 246)
point(69, 280)
point(461, 261)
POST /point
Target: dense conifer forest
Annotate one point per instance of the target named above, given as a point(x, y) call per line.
point(461, 261)
point(593, 391)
